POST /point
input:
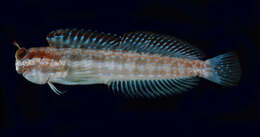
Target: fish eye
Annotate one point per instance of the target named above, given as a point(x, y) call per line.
point(20, 54)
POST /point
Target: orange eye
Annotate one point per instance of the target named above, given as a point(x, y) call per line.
point(20, 53)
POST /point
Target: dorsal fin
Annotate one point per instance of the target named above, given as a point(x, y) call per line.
point(73, 38)
point(155, 43)
point(140, 41)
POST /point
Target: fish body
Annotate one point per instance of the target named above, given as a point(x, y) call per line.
point(138, 64)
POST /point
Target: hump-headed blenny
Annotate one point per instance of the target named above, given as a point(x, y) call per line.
point(137, 64)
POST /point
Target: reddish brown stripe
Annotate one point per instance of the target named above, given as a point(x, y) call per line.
point(163, 73)
point(25, 65)
point(175, 64)
point(198, 73)
point(46, 56)
point(197, 64)
point(31, 54)
point(172, 71)
point(188, 65)
point(167, 59)
point(49, 64)
point(192, 73)
point(181, 61)
point(43, 53)
point(185, 72)
point(45, 67)
point(177, 73)
point(202, 66)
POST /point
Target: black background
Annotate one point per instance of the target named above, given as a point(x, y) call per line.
point(214, 26)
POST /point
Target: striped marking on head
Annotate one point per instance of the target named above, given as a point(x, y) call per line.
point(41, 59)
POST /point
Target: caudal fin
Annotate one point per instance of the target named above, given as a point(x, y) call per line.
point(224, 69)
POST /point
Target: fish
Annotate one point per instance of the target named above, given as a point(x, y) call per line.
point(138, 64)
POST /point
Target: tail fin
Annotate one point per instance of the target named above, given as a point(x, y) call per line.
point(224, 69)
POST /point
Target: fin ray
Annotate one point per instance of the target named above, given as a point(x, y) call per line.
point(55, 90)
point(144, 89)
point(140, 42)
point(155, 43)
point(73, 38)
point(153, 88)
point(150, 91)
point(224, 69)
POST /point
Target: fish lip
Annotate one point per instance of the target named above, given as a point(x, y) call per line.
point(18, 67)
point(19, 72)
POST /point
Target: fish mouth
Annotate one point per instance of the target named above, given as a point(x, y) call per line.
point(19, 71)
point(18, 67)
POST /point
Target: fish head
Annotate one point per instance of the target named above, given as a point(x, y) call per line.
point(29, 66)
point(20, 58)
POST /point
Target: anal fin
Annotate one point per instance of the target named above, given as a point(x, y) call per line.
point(152, 88)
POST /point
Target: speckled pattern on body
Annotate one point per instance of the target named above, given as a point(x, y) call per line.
point(138, 59)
